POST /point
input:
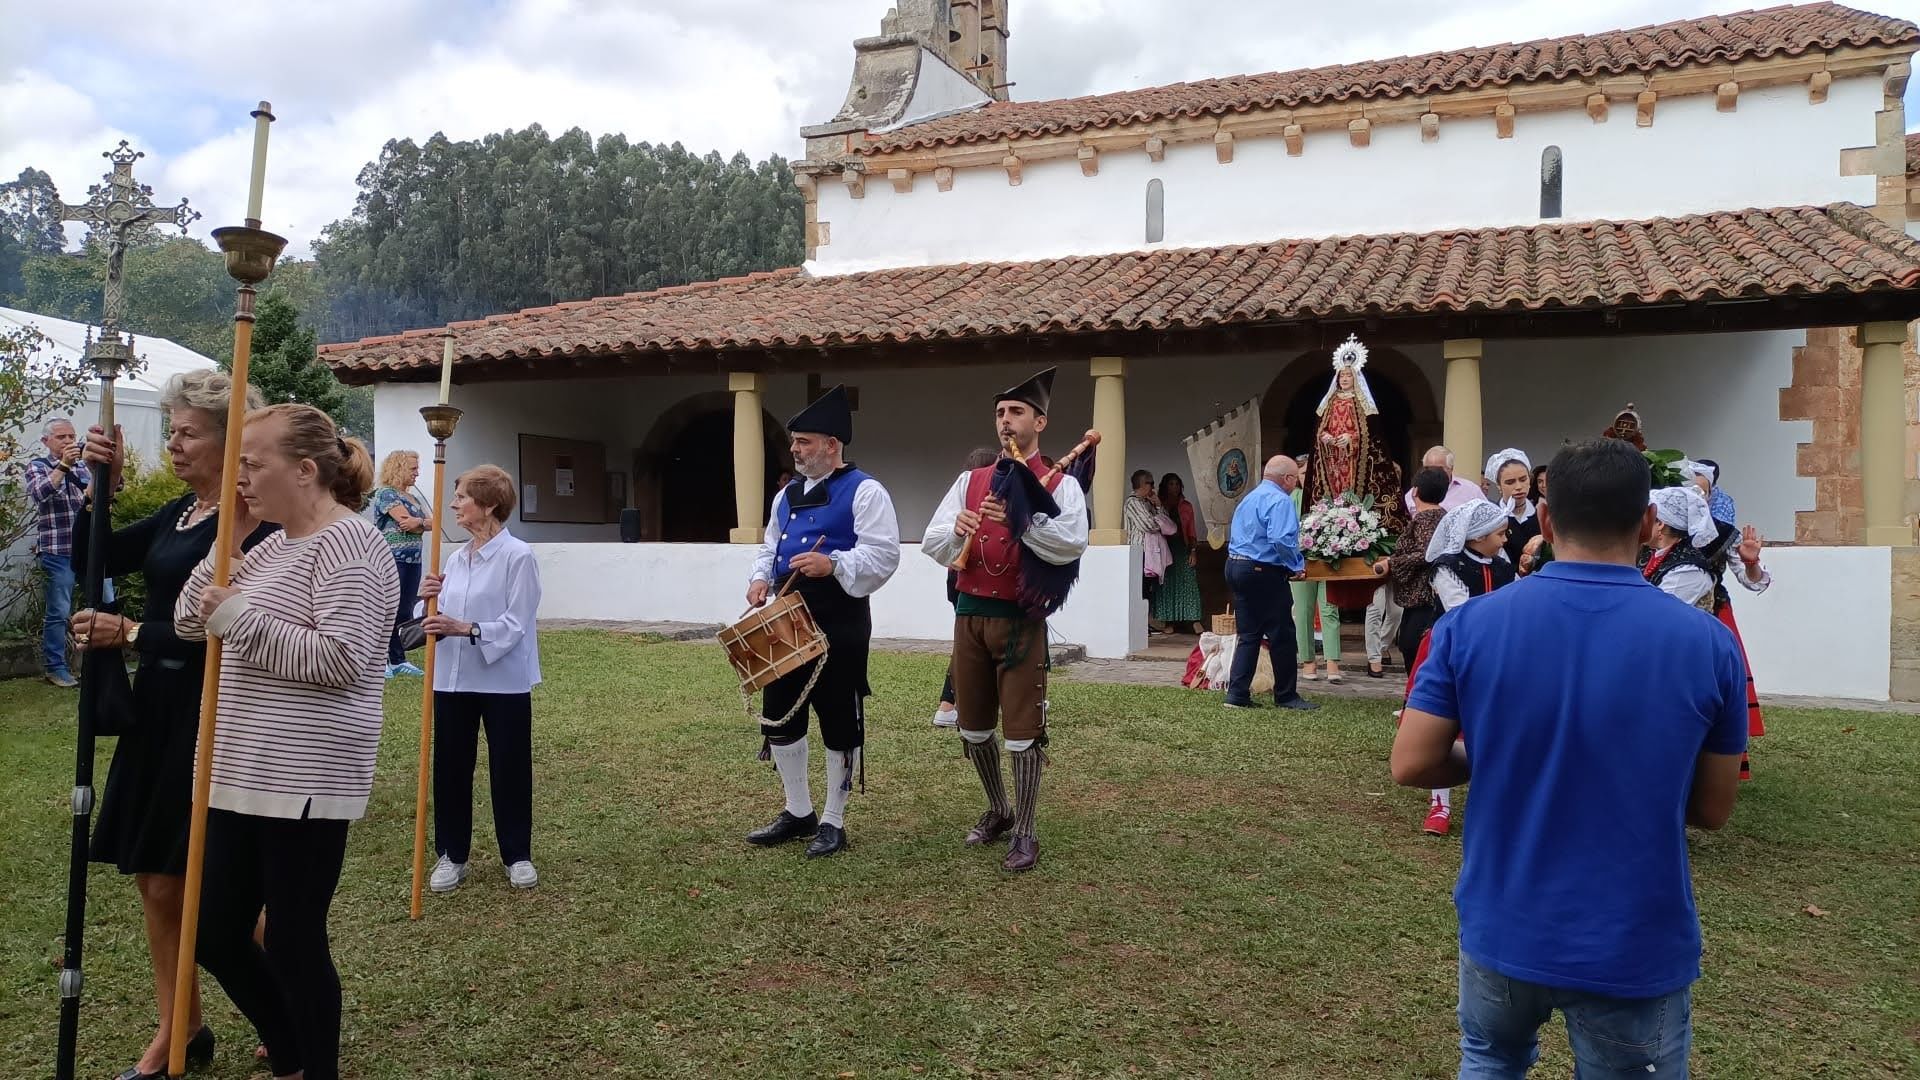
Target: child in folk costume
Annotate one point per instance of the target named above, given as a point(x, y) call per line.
point(1028, 535)
point(1688, 557)
point(1469, 559)
point(1510, 479)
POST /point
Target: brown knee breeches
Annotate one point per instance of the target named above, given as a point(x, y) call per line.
point(982, 684)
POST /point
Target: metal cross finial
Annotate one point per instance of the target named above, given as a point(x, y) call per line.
point(122, 208)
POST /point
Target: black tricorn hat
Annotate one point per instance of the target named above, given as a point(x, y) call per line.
point(1034, 392)
point(829, 415)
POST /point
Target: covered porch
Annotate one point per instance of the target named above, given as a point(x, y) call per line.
point(1522, 336)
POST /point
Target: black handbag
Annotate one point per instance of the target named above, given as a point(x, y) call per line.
point(112, 693)
point(411, 634)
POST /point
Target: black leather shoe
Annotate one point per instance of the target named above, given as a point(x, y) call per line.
point(831, 839)
point(784, 828)
point(1301, 704)
point(133, 1073)
point(200, 1048)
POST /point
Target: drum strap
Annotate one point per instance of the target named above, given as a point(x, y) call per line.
point(806, 694)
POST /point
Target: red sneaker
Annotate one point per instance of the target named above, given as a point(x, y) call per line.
point(1439, 819)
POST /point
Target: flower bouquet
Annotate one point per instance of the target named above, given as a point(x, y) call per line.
point(1343, 529)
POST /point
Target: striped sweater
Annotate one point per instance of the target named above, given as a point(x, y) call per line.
point(302, 670)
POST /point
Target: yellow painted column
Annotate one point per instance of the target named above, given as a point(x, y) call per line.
point(1460, 420)
point(749, 458)
point(1883, 434)
point(1110, 471)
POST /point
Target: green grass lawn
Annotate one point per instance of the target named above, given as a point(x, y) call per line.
point(1220, 893)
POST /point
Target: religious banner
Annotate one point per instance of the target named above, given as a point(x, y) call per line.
point(1225, 458)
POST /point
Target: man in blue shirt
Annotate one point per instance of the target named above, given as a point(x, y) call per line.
point(1263, 556)
point(1602, 718)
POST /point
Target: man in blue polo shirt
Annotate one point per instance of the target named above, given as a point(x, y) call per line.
point(1263, 555)
point(1601, 718)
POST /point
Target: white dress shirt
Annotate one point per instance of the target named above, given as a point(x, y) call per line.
point(875, 554)
point(1458, 491)
point(1057, 540)
point(497, 588)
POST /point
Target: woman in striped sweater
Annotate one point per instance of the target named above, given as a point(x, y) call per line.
point(303, 632)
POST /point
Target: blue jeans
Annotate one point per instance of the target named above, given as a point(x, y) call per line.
point(1263, 611)
point(409, 596)
point(59, 596)
point(1500, 1022)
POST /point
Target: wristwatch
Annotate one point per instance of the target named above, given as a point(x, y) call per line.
point(473, 633)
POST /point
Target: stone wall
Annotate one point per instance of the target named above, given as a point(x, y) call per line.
point(1826, 391)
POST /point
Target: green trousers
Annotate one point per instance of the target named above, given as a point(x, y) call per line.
point(1306, 594)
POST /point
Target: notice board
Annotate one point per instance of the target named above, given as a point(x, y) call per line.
point(563, 480)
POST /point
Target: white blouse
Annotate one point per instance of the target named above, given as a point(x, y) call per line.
point(497, 588)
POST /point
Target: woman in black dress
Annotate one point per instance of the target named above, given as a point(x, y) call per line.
point(142, 828)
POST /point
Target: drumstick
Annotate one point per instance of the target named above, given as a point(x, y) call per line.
point(790, 577)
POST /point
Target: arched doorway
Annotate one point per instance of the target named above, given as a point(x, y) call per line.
point(1409, 415)
point(683, 473)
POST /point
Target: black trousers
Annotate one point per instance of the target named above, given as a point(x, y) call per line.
point(1414, 624)
point(289, 991)
point(1263, 611)
point(458, 718)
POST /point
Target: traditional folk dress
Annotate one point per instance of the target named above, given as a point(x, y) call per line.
point(850, 516)
point(1523, 523)
point(1348, 455)
point(1694, 572)
point(1459, 575)
point(1016, 575)
point(1178, 598)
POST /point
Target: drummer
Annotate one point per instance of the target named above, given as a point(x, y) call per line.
point(832, 532)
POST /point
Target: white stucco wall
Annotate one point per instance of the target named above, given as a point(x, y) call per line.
point(938, 91)
point(1776, 149)
point(706, 583)
point(1825, 626)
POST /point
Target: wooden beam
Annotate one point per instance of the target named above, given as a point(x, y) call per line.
point(1089, 161)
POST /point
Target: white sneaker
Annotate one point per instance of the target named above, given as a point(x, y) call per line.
point(447, 875)
point(946, 718)
point(522, 875)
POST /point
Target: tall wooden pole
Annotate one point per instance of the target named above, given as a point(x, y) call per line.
point(250, 256)
point(441, 420)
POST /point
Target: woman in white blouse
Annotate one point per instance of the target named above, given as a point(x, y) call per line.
point(485, 669)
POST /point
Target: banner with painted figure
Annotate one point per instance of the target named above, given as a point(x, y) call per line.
point(1225, 458)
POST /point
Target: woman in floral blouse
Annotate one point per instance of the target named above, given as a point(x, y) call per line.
point(400, 513)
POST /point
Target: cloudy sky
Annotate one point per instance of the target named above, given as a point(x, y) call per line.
point(344, 76)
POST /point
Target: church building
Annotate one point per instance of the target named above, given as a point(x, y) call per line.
point(1714, 220)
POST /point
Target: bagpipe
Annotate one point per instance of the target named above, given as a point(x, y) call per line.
point(1042, 586)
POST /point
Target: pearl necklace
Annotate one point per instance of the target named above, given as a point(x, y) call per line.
point(186, 516)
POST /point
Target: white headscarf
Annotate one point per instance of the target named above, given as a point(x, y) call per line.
point(1684, 510)
point(1351, 355)
point(1469, 521)
point(1499, 461)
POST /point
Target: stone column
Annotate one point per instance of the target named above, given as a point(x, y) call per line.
point(1110, 472)
point(1883, 434)
point(749, 458)
point(1460, 420)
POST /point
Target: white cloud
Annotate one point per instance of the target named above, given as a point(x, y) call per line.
point(347, 75)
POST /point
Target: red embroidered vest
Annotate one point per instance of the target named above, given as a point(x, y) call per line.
point(993, 566)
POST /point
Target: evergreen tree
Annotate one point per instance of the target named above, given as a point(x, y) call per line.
point(281, 363)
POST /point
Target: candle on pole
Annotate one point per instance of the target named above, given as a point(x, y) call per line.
point(257, 182)
point(446, 372)
point(440, 420)
point(250, 256)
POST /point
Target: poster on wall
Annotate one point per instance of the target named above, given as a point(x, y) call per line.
point(1225, 459)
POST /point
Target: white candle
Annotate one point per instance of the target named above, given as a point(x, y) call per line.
point(446, 371)
point(261, 118)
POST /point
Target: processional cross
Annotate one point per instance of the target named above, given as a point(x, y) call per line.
point(121, 209)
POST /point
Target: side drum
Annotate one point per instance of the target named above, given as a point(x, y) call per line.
point(773, 641)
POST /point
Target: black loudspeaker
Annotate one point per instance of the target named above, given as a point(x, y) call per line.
point(630, 525)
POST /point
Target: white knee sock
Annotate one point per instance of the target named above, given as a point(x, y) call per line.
point(1444, 796)
point(840, 770)
point(791, 760)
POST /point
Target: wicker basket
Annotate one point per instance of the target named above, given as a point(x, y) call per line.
point(1225, 626)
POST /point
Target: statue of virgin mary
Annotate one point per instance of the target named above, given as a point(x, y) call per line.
point(1348, 454)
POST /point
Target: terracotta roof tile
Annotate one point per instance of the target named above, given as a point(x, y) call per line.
point(1839, 249)
point(1788, 30)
